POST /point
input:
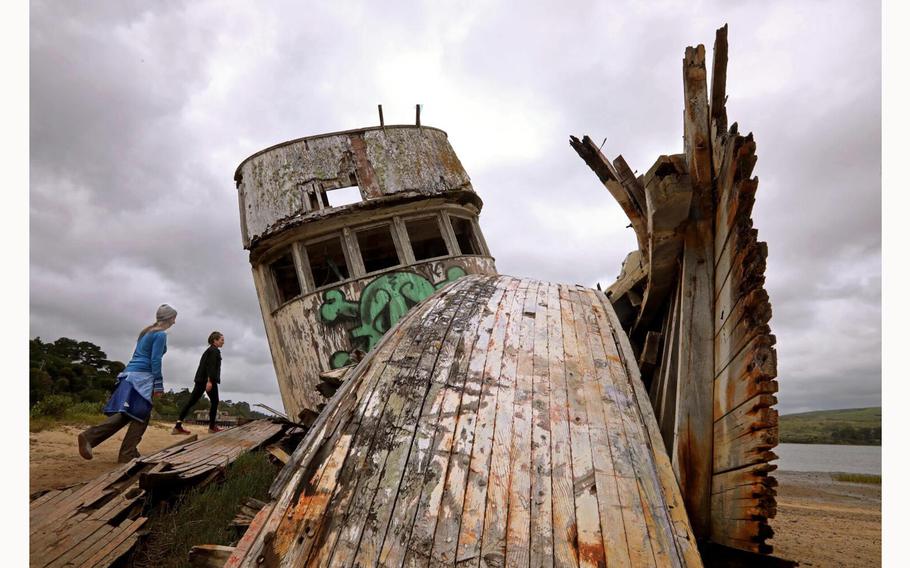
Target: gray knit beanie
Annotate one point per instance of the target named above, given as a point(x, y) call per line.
point(165, 312)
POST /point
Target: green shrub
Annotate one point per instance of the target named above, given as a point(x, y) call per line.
point(85, 408)
point(54, 405)
point(203, 516)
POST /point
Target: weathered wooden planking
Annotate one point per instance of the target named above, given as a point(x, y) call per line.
point(541, 526)
point(743, 436)
point(590, 540)
point(495, 522)
point(697, 120)
point(518, 535)
point(424, 473)
point(565, 551)
point(719, 94)
point(452, 509)
point(209, 555)
point(390, 426)
point(695, 391)
point(521, 333)
point(749, 374)
point(686, 551)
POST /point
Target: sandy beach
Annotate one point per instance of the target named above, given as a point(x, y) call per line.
point(54, 461)
point(822, 522)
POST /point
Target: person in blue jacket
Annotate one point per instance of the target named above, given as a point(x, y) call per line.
point(131, 402)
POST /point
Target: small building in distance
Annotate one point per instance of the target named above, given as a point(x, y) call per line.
point(221, 418)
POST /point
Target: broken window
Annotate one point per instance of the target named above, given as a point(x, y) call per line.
point(464, 234)
point(377, 248)
point(284, 275)
point(327, 261)
point(343, 196)
point(426, 238)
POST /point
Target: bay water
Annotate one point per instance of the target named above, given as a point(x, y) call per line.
point(828, 457)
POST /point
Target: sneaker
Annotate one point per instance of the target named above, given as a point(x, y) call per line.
point(179, 429)
point(85, 448)
point(214, 429)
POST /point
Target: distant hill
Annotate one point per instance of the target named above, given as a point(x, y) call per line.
point(857, 426)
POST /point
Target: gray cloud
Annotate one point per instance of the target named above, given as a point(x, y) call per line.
point(139, 115)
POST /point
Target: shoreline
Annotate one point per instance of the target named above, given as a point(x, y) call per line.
point(824, 522)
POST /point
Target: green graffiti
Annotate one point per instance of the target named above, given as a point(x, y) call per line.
point(382, 303)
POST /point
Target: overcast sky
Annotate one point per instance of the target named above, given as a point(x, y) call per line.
point(139, 117)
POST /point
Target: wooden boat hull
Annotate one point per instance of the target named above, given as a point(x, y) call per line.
point(502, 422)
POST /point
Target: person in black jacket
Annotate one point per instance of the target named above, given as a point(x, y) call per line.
point(208, 377)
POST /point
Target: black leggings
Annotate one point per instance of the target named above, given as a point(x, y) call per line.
point(198, 391)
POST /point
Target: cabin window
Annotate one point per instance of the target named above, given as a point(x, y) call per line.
point(284, 274)
point(327, 262)
point(377, 248)
point(464, 234)
point(343, 196)
point(426, 238)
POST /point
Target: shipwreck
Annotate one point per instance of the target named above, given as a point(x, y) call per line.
point(462, 417)
point(442, 414)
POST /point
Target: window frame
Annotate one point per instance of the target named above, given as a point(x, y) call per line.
point(394, 227)
point(475, 230)
point(311, 281)
point(440, 224)
point(269, 275)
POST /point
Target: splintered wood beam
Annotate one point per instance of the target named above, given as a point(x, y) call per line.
point(617, 184)
point(696, 121)
point(628, 180)
point(719, 93)
point(668, 192)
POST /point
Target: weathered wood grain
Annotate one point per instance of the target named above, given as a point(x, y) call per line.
point(683, 536)
point(472, 522)
point(692, 450)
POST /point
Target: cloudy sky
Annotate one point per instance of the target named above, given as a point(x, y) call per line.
point(139, 116)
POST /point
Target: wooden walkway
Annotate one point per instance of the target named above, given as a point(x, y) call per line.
point(501, 423)
point(95, 523)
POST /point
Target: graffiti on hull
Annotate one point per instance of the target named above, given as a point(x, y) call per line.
point(382, 303)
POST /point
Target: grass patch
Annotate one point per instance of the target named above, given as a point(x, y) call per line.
point(858, 478)
point(203, 516)
point(70, 418)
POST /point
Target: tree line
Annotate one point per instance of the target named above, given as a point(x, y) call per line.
point(67, 372)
